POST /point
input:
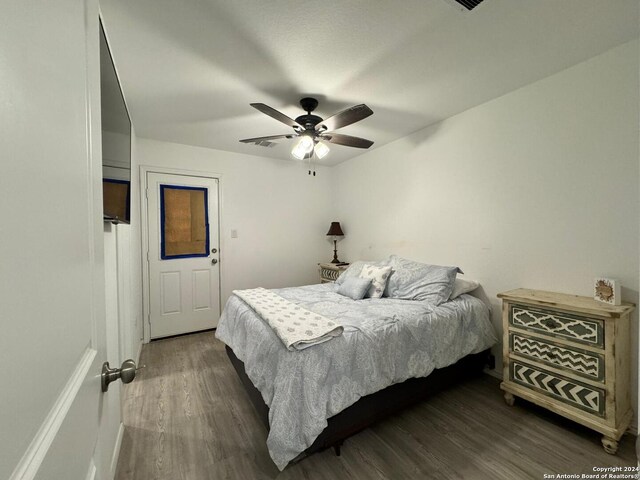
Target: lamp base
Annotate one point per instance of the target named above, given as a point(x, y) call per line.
point(335, 252)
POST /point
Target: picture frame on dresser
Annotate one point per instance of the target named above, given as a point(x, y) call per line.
point(571, 355)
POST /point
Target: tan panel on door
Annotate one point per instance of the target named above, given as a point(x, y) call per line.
point(184, 221)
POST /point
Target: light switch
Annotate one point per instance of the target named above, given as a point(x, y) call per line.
point(234, 233)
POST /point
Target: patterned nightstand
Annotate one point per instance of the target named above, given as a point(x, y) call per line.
point(569, 354)
point(329, 272)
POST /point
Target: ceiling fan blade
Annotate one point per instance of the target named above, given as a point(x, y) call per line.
point(257, 140)
point(346, 140)
point(273, 113)
point(344, 118)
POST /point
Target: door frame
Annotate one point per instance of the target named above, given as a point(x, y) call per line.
point(144, 227)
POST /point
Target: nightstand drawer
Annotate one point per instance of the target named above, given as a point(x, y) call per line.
point(587, 364)
point(329, 272)
point(553, 322)
point(570, 392)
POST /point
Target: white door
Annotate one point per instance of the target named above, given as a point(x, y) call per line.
point(52, 286)
point(184, 272)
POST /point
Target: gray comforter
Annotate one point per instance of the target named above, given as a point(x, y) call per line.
point(385, 341)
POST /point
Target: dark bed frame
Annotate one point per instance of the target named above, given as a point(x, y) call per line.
point(374, 407)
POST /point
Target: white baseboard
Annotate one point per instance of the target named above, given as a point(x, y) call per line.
point(30, 462)
point(116, 452)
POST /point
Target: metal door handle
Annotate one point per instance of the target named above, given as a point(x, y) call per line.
point(126, 373)
point(214, 261)
point(214, 250)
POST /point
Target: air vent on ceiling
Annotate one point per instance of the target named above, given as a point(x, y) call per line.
point(469, 4)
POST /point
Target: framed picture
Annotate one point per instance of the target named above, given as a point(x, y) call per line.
point(607, 290)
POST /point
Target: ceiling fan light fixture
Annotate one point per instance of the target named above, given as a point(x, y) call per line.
point(303, 148)
point(309, 129)
point(321, 150)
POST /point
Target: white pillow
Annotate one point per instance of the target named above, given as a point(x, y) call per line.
point(378, 276)
point(462, 285)
point(355, 268)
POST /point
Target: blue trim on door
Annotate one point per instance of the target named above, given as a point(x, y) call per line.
point(163, 255)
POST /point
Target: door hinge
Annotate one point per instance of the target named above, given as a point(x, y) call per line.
point(146, 192)
point(147, 256)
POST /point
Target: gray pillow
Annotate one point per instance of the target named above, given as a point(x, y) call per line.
point(463, 285)
point(354, 287)
point(411, 280)
point(355, 268)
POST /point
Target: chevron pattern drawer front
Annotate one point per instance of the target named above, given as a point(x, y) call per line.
point(579, 329)
point(591, 365)
point(329, 272)
point(570, 392)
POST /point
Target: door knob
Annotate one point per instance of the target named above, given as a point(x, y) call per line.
point(214, 261)
point(126, 373)
point(214, 250)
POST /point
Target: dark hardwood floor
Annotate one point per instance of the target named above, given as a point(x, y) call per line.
point(187, 416)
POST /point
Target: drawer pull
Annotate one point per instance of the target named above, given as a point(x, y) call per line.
point(551, 323)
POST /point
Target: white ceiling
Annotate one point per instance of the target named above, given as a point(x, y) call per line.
point(190, 68)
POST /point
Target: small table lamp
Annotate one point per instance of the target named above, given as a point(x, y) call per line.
point(335, 231)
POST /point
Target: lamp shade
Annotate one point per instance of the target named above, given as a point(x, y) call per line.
point(335, 230)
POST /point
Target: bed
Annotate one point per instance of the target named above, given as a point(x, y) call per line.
point(316, 397)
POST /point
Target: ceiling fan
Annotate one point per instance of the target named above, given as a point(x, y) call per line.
point(311, 129)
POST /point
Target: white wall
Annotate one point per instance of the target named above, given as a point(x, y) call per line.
point(123, 288)
point(280, 212)
point(123, 281)
point(538, 188)
point(110, 418)
point(126, 262)
point(134, 307)
point(123, 285)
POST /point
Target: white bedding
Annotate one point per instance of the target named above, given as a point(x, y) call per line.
point(297, 327)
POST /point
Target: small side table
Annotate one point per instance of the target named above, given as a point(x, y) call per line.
point(329, 272)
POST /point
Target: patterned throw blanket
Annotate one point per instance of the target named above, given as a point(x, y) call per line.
point(297, 327)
